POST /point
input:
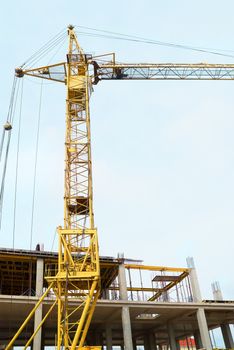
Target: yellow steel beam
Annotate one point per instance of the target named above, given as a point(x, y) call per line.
point(40, 325)
point(168, 286)
point(137, 289)
point(82, 320)
point(17, 257)
point(45, 72)
point(155, 268)
point(9, 346)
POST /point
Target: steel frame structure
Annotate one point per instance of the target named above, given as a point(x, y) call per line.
point(78, 272)
point(169, 71)
point(141, 71)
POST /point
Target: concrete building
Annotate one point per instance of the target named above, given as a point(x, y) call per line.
point(152, 306)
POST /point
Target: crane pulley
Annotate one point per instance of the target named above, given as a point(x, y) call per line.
point(78, 273)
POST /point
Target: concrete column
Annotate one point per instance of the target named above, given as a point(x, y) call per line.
point(171, 334)
point(225, 328)
point(217, 294)
point(106, 294)
point(197, 339)
point(134, 344)
point(98, 338)
point(123, 294)
point(152, 341)
point(146, 342)
point(126, 322)
point(127, 331)
point(42, 340)
point(203, 329)
point(38, 314)
point(194, 280)
point(227, 336)
point(108, 337)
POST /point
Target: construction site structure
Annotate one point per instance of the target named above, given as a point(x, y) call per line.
point(73, 282)
point(155, 307)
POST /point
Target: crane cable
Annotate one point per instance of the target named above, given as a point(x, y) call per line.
point(7, 127)
point(47, 50)
point(35, 165)
point(134, 38)
point(17, 165)
point(52, 43)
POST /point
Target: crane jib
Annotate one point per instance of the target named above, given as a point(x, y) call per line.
point(164, 71)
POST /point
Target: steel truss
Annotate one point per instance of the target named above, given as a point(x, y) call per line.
point(142, 71)
point(78, 274)
point(169, 71)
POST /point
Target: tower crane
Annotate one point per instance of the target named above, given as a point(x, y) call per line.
point(78, 272)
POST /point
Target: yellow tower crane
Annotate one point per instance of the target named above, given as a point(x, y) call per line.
point(78, 273)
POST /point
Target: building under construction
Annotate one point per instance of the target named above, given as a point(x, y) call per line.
point(75, 299)
point(151, 306)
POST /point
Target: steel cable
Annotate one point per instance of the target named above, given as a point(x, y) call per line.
point(44, 47)
point(35, 165)
point(54, 54)
point(134, 38)
point(17, 166)
point(9, 116)
point(4, 175)
point(8, 128)
point(42, 54)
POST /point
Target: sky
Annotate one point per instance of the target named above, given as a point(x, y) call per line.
point(162, 152)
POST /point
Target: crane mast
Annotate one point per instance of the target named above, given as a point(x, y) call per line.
point(77, 276)
point(78, 267)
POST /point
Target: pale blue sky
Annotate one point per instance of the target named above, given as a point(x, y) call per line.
point(162, 151)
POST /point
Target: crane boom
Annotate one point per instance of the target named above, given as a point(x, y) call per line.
point(139, 71)
point(162, 71)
